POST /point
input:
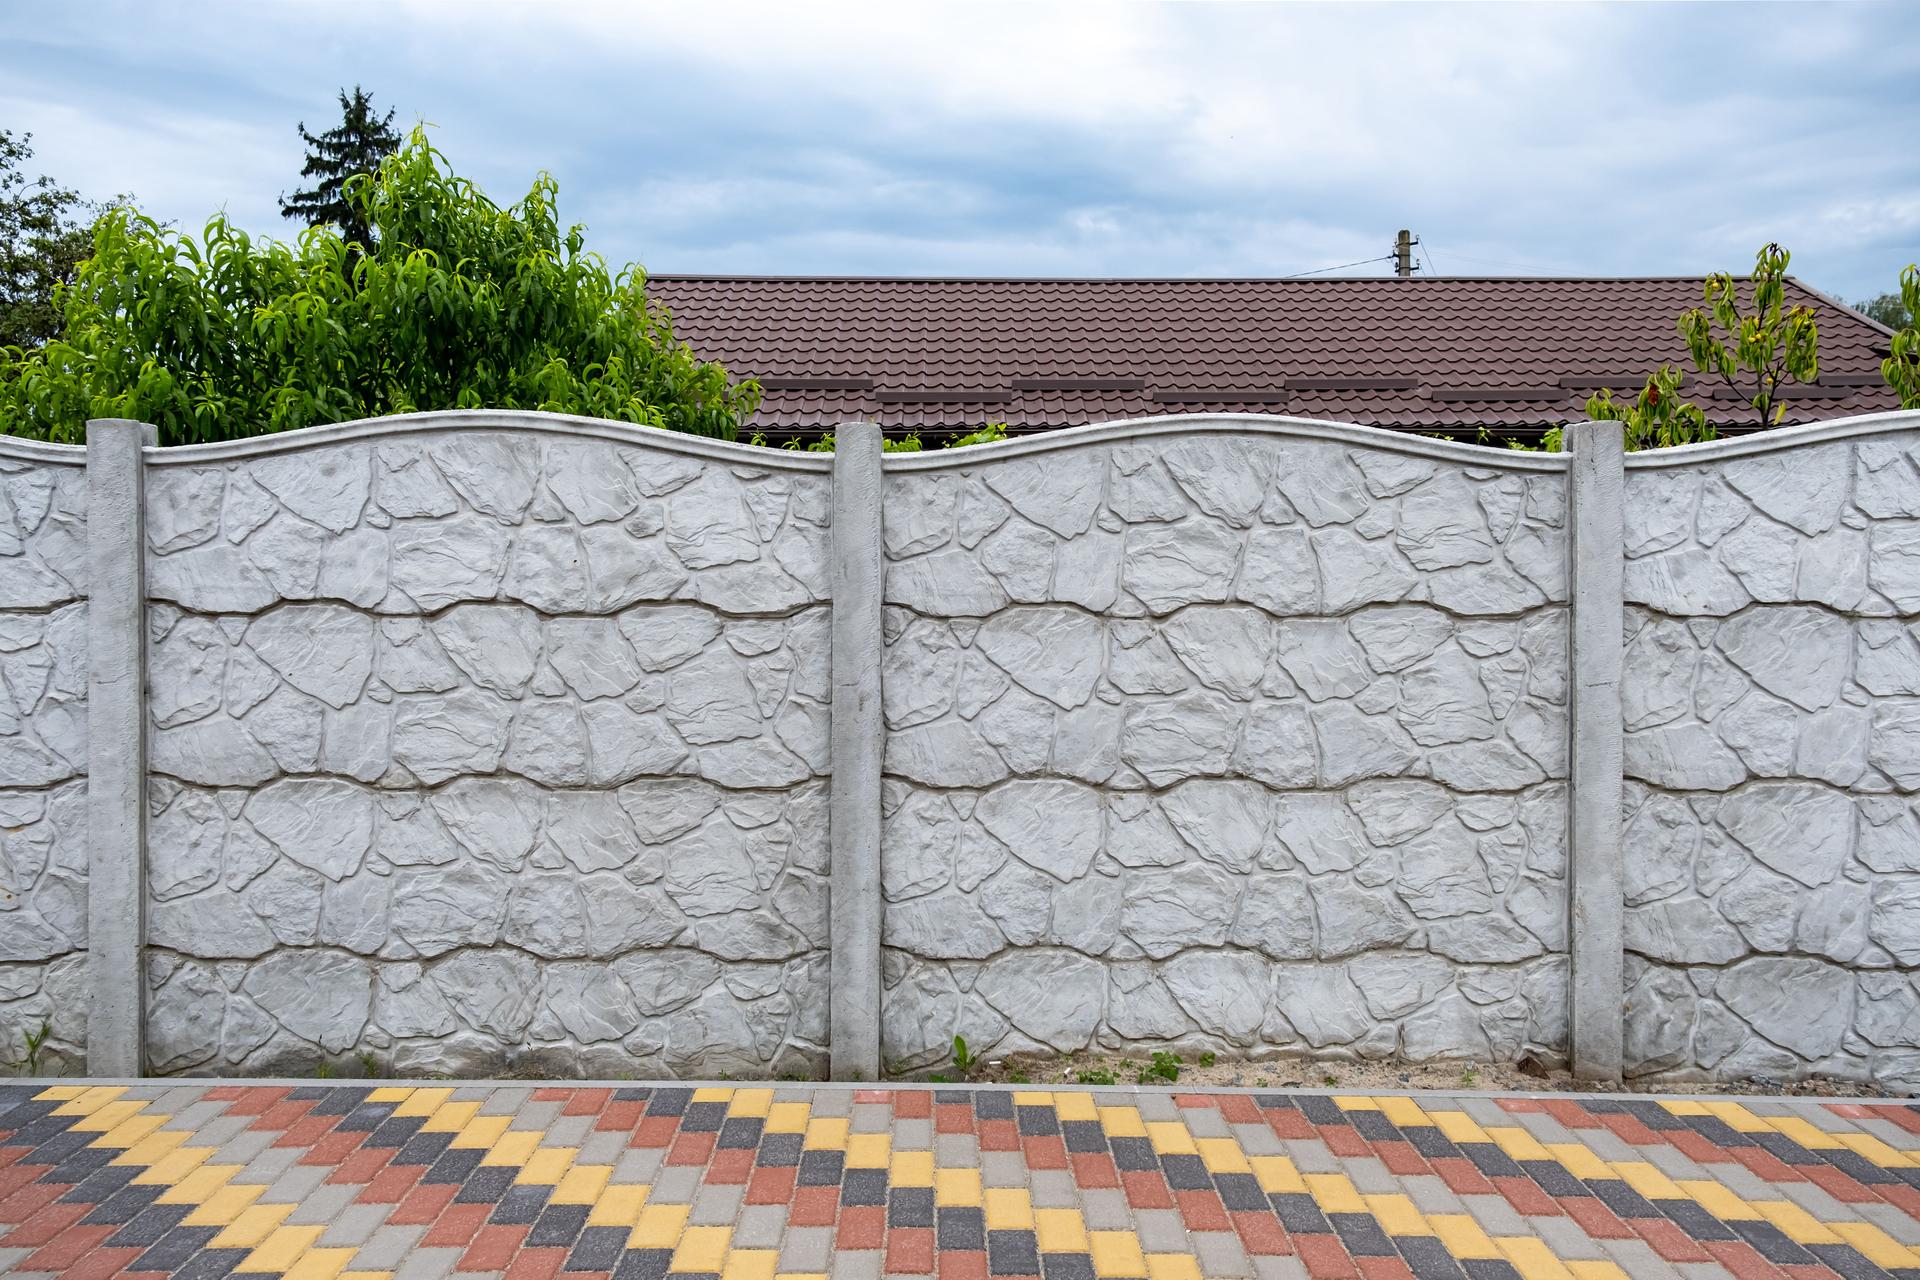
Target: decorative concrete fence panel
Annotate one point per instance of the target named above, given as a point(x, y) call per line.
point(483, 750)
point(478, 742)
point(1771, 698)
point(1225, 736)
point(43, 752)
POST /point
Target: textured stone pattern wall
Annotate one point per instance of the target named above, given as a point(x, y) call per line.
point(1255, 745)
point(1772, 703)
point(487, 751)
point(43, 761)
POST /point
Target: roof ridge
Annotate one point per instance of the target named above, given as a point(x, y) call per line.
point(1312, 280)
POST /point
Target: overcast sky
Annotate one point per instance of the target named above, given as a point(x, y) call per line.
point(1090, 140)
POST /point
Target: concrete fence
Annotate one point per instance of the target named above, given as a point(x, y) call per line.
point(474, 742)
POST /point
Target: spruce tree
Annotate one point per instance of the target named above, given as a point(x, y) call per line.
point(357, 144)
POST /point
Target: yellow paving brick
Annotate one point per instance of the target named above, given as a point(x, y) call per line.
point(1276, 1173)
point(911, 1169)
point(868, 1150)
point(481, 1132)
point(249, 1228)
point(1122, 1122)
point(1116, 1254)
point(1532, 1259)
point(1076, 1106)
point(1737, 1117)
point(582, 1184)
point(786, 1117)
point(1171, 1138)
point(1356, 1102)
point(1593, 1269)
point(1647, 1180)
point(320, 1264)
point(224, 1206)
point(617, 1206)
point(956, 1188)
point(1805, 1132)
point(169, 1169)
point(130, 1132)
point(1462, 1236)
point(1397, 1215)
point(1459, 1126)
point(366, 1275)
point(200, 1185)
point(151, 1149)
point(1334, 1193)
point(1864, 1144)
point(713, 1093)
point(424, 1102)
point(1879, 1248)
point(1403, 1112)
point(60, 1093)
point(1517, 1142)
point(702, 1249)
point(1720, 1202)
point(751, 1103)
point(390, 1094)
point(659, 1226)
point(112, 1115)
point(515, 1146)
point(1032, 1098)
point(281, 1247)
point(1222, 1155)
point(1685, 1107)
point(1798, 1225)
point(450, 1117)
point(751, 1264)
point(1172, 1266)
point(87, 1100)
point(826, 1133)
point(1009, 1209)
point(1578, 1160)
point(1060, 1230)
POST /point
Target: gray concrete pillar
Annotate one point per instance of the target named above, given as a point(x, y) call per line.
point(116, 746)
point(1596, 487)
point(858, 740)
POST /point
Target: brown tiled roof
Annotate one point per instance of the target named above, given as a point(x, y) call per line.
point(1433, 353)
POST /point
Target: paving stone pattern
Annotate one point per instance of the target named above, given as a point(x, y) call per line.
point(1225, 742)
point(1772, 704)
point(482, 751)
point(339, 1182)
point(43, 757)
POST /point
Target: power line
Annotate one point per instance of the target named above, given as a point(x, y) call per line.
point(1319, 271)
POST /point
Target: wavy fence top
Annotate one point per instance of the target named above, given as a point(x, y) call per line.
point(1104, 433)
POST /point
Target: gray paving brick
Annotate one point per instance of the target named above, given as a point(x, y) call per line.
point(505, 1101)
point(760, 1226)
point(1311, 1156)
point(1161, 1230)
point(1605, 1144)
point(601, 1148)
point(1566, 1239)
point(1257, 1140)
point(471, 1093)
point(1637, 1258)
point(1495, 1216)
point(536, 1115)
point(793, 1093)
point(1817, 1202)
point(1105, 1209)
point(1283, 1268)
point(242, 1148)
point(1220, 1254)
point(832, 1102)
point(427, 1264)
point(637, 1164)
point(355, 1225)
point(912, 1135)
point(1206, 1122)
point(272, 1162)
point(1673, 1162)
point(1053, 1189)
point(1156, 1106)
point(806, 1249)
point(676, 1184)
point(1542, 1126)
point(956, 1151)
point(856, 1264)
point(196, 1116)
point(568, 1131)
point(871, 1117)
point(716, 1206)
point(295, 1185)
point(326, 1204)
point(386, 1248)
point(1003, 1169)
point(1895, 1222)
point(1369, 1175)
point(1430, 1194)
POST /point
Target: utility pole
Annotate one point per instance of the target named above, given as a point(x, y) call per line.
point(1403, 253)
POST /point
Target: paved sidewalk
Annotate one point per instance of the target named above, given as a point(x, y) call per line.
point(322, 1181)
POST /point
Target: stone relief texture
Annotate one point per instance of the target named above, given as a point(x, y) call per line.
point(1772, 703)
point(488, 751)
point(43, 761)
point(1248, 744)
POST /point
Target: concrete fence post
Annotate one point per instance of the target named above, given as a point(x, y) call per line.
point(1596, 488)
point(858, 739)
point(116, 746)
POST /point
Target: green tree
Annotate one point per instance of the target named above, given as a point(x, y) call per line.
point(1656, 419)
point(1756, 352)
point(458, 303)
point(356, 145)
point(1901, 368)
point(41, 243)
point(1890, 309)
